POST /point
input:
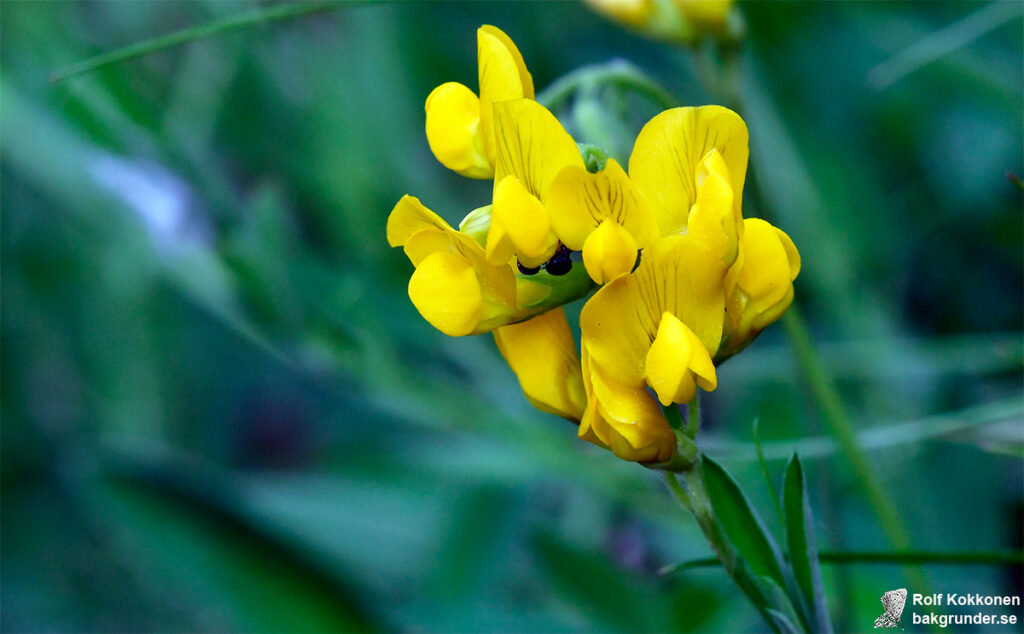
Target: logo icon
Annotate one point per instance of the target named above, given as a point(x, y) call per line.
point(893, 602)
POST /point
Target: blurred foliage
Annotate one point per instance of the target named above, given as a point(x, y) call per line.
point(221, 412)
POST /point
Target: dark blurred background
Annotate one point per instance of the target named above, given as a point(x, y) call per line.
point(222, 413)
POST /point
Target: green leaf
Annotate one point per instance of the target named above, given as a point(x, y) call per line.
point(283, 11)
point(803, 549)
point(780, 609)
point(741, 523)
point(781, 622)
point(193, 529)
point(617, 599)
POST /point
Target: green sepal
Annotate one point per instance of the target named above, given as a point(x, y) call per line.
point(594, 157)
point(476, 224)
point(561, 289)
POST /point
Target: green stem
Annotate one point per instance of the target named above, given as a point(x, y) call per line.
point(617, 73)
point(835, 415)
point(694, 498)
point(693, 416)
point(284, 11)
point(980, 558)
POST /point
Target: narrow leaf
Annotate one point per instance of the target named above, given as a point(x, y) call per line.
point(781, 622)
point(803, 550)
point(282, 11)
point(741, 523)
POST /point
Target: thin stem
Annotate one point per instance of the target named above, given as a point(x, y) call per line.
point(284, 11)
point(980, 558)
point(834, 413)
point(617, 73)
point(764, 471)
point(693, 416)
point(699, 504)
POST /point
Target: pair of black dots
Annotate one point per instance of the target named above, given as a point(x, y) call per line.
point(559, 264)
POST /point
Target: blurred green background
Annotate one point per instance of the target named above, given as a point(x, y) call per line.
point(222, 413)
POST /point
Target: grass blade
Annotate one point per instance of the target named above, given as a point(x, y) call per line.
point(803, 549)
point(284, 11)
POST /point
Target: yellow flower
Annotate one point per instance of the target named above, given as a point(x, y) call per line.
point(603, 215)
point(459, 123)
point(670, 162)
point(679, 21)
point(759, 287)
point(657, 328)
point(680, 179)
point(691, 163)
point(708, 14)
point(531, 149)
point(459, 292)
point(635, 13)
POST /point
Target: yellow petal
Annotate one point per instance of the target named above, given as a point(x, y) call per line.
point(713, 219)
point(678, 274)
point(426, 243)
point(518, 216)
point(446, 291)
point(525, 79)
point(647, 439)
point(453, 121)
point(609, 252)
point(542, 353)
point(531, 145)
point(410, 216)
point(674, 361)
point(760, 284)
point(669, 148)
point(503, 76)
point(709, 13)
point(578, 201)
point(630, 410)
point(632, 12)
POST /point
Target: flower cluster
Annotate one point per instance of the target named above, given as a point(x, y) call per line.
point(680, 21)
point(684, 280)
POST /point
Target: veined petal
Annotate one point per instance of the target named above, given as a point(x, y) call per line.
point(609, 252)
point(521, 218)
point(542, 353)
point(579, 201)
point(677, 362)
point(531, 145)
point(503, 76)
point(453, 121)
point(678, 274)
point(669, 148)
point(714, 220)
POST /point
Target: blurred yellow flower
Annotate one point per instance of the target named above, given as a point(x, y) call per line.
point(681, 21)
point(635, 13)
point(459, 123)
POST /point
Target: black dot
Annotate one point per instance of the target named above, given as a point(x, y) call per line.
point(526, 270)
point(560, 263)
